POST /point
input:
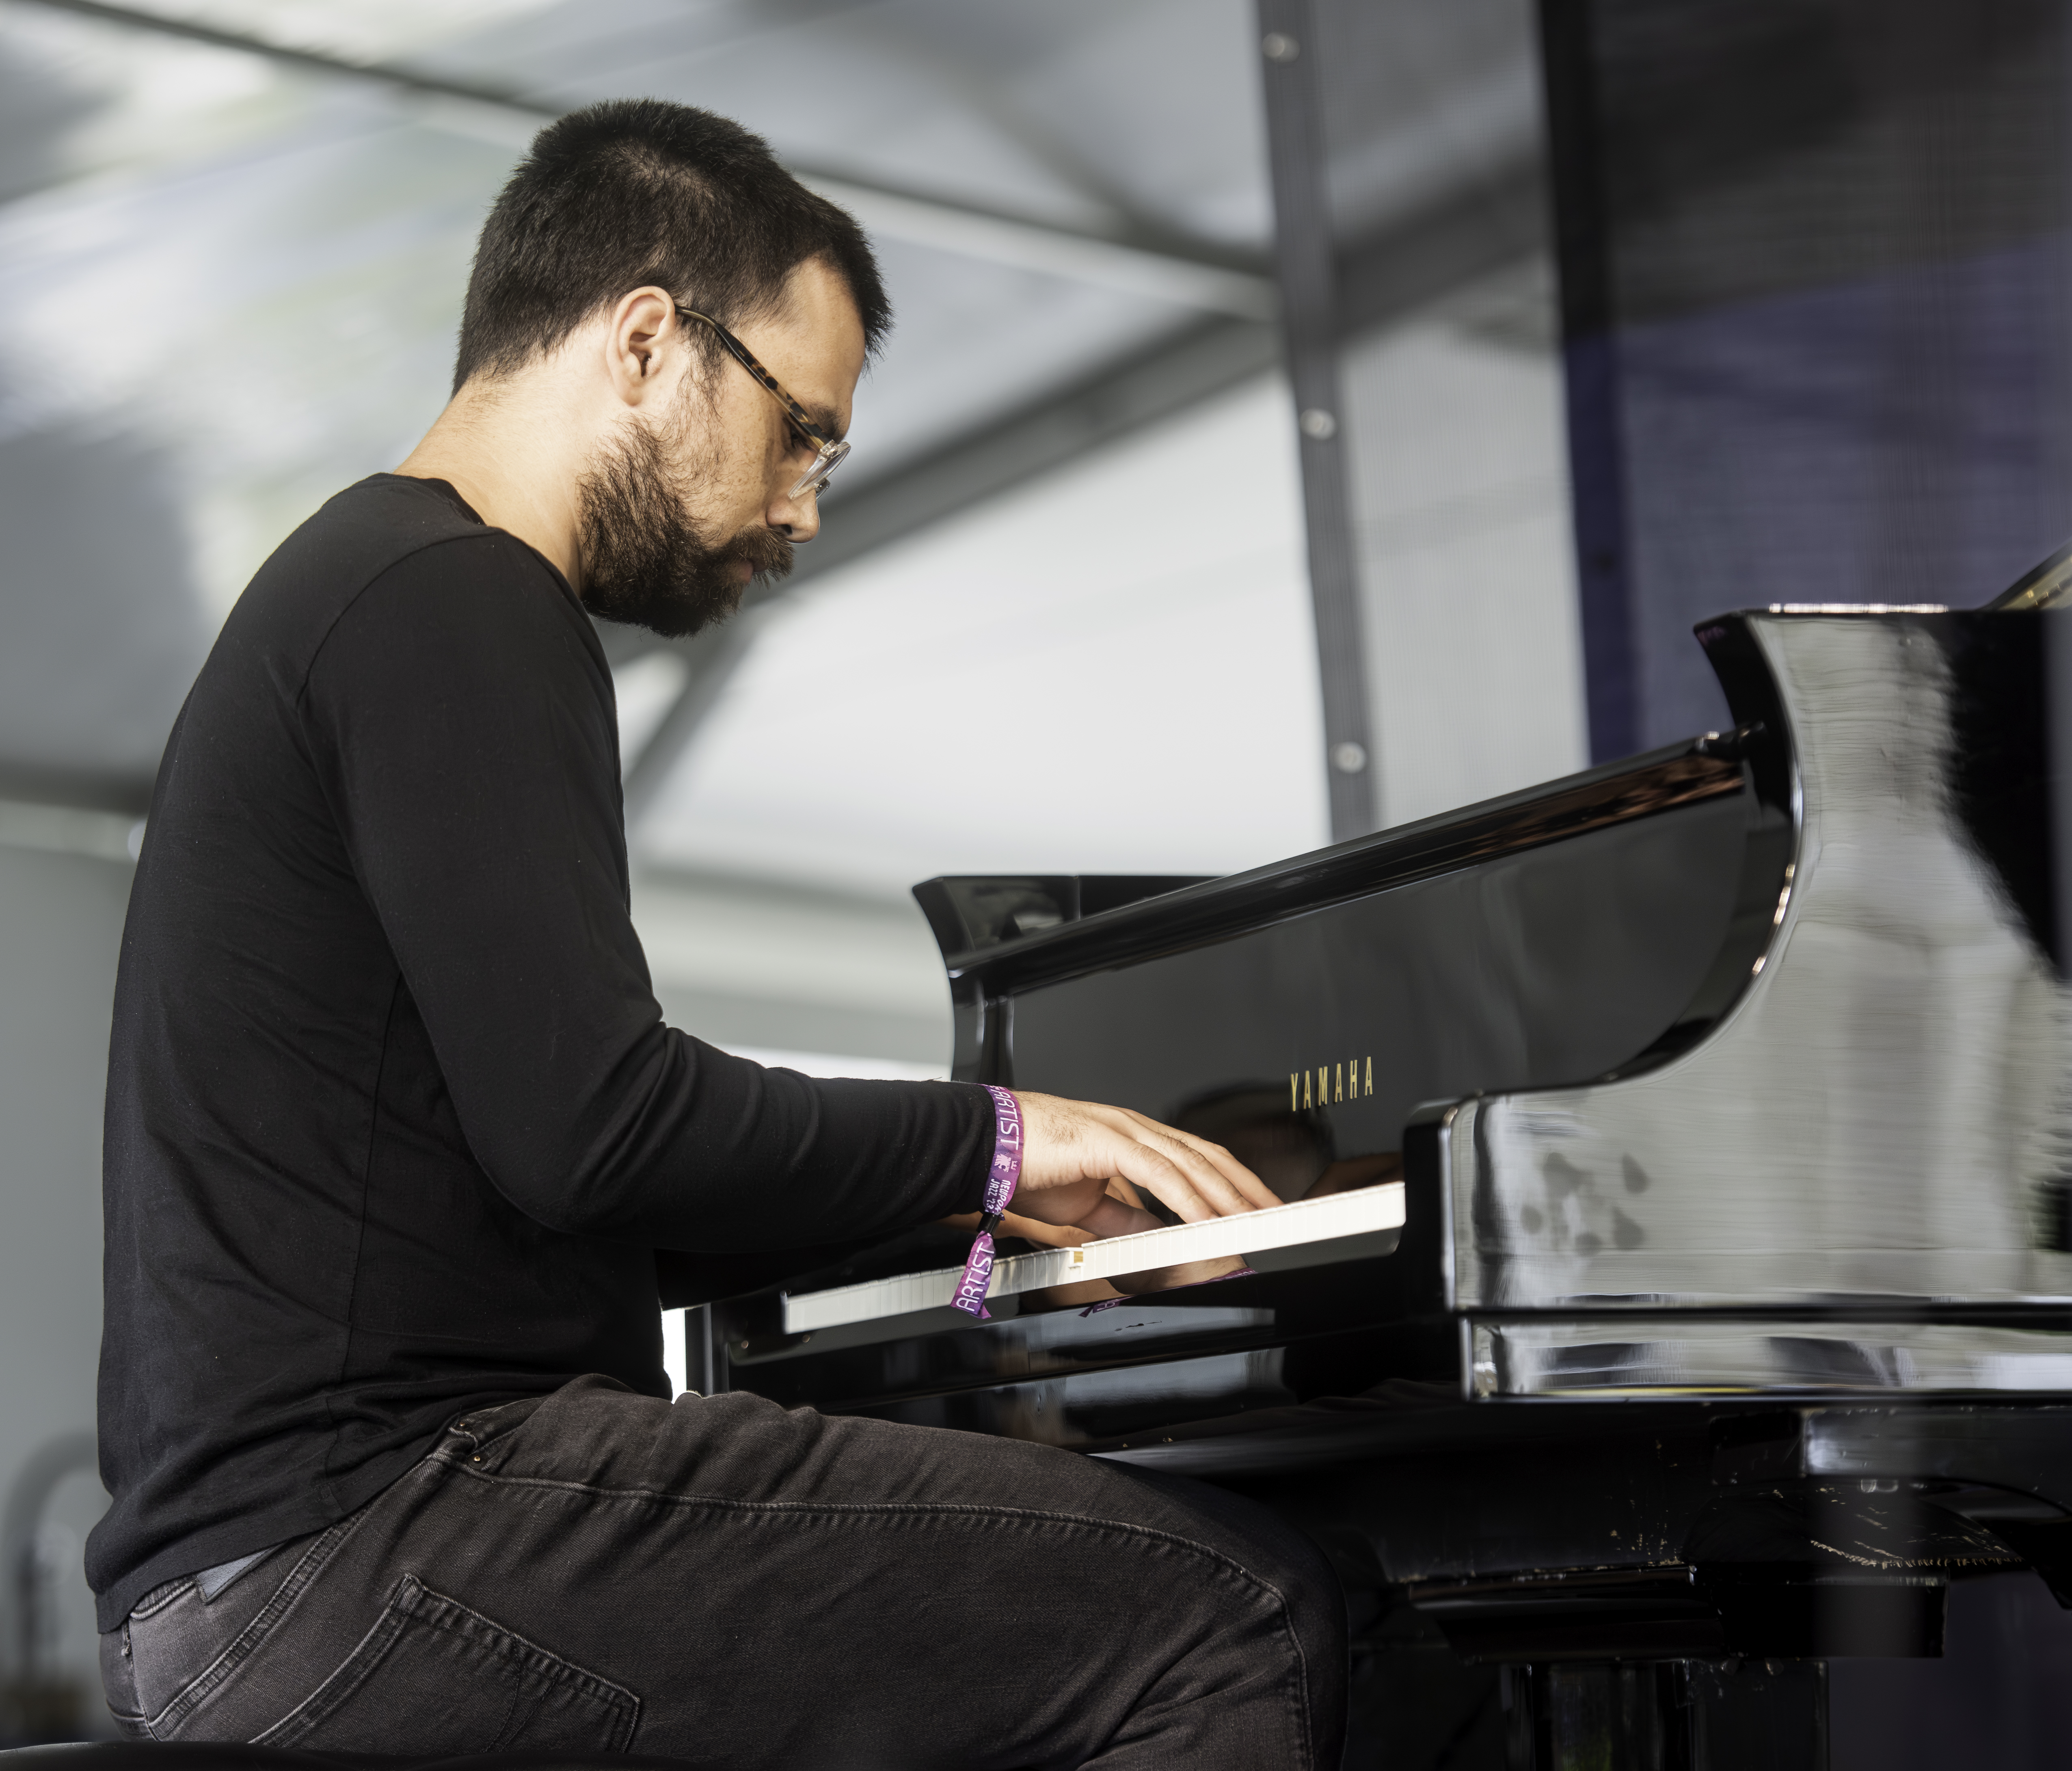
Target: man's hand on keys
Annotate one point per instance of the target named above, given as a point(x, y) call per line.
point(1070, 1150)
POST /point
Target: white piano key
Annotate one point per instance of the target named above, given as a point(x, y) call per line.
point(1360, 1212)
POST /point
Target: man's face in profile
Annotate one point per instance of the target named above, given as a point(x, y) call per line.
point(650, 556)
point(680, 511)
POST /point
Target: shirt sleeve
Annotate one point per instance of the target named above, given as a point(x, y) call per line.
point(460, 714)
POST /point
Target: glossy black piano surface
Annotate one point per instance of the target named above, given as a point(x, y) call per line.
point(1550, 937)
point(1553, 961)
point(1730, 1088)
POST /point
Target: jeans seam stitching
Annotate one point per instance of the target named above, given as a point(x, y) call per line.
point(240, 1648)
point(621, 1699)
point(388, 1624)
point(159, 1597)
point(915, 1508)
point(410, 1600)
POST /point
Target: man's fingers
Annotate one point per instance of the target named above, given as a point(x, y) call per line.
point(1256, 1191)
point(1183, 1178)
point(1220, 1186)
point(1160, 1176)
point(1070, 1145)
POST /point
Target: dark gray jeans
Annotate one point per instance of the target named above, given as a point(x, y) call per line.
point(740, 1586)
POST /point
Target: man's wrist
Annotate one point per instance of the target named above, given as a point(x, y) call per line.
point(1003, 1175)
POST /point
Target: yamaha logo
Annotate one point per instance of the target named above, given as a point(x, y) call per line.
point(1329, 1083)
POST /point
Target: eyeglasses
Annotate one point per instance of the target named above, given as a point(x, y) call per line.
point(827, 454)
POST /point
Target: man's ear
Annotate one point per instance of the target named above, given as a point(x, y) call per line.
point(644, 332)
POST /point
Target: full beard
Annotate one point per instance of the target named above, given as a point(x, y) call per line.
point(643, 560)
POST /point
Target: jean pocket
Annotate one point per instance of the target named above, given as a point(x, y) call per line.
point(433, 1678)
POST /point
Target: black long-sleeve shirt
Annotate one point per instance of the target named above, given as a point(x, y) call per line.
point(394, 1127)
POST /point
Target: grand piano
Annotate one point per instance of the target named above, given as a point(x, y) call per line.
point(1676, 1287)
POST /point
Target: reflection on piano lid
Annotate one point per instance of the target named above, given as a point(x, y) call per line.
point(1337, 1227)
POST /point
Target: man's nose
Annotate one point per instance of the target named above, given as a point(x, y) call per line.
point(797, 520)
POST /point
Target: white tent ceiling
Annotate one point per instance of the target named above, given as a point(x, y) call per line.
point(228, 281)
point(233, 239)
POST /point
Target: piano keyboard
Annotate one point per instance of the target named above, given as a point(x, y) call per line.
point(1336, 1216)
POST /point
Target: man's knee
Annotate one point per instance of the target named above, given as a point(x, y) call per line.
point(1277, 1558)
point(1269, 1550)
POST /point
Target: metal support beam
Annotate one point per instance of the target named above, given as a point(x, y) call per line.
point(1306, 255)
point(1205, 279)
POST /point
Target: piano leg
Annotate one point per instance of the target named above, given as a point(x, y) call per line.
point(1666, 1716)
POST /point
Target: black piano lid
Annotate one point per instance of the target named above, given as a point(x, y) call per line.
point(1069, 936)
point(1062, 939)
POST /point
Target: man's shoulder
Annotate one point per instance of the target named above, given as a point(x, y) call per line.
point(366, 530)
point(385, 517)
point(370, 530)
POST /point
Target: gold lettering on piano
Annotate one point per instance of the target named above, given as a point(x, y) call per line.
point(1328, 1084)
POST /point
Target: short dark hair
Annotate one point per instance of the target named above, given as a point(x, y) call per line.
point(638, 190)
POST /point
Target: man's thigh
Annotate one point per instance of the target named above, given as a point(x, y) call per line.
point(740, 1585)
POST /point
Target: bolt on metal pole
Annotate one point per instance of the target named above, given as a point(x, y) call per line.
point(1305, 260)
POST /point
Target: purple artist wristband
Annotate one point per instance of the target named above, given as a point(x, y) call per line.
point(1000, 1180)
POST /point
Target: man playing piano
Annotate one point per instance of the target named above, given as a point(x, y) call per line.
point(396, 1138)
